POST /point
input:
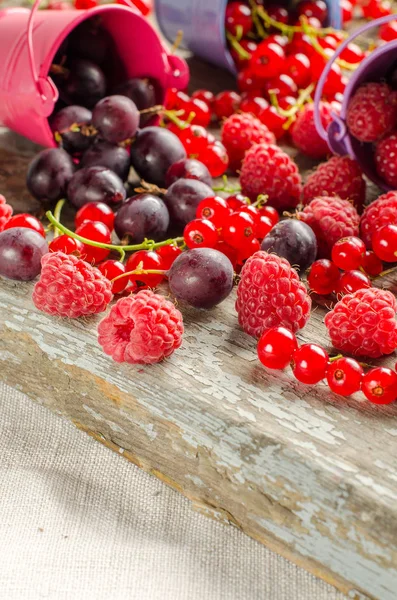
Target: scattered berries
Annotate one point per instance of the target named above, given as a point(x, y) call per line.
point(384, 243)
point(344, 376)
point(304, 133)
point(386, 159)
point(331, 219)
point(309, 363)
point(239, 133)
point(340, 176)
point(267, 169)
point(270, 294)
point(323, 277)
point(25, 220)
point(347, 253)
point(379, 213)
point(141, 329)
point(70, 287)
point(364, 323)
point(275, 347)
point(372, 112)
point(380, 385)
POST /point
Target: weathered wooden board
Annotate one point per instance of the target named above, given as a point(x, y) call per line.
point(309, 474)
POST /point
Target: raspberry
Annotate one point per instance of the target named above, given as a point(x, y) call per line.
point(70, 287)
point(386, 159)
point(331, 219)
point(267, 169)
point(339, 176)
point(372, 112)
point(239, 133)
point(270, 294)
point(382, 211)
point(304, 133)
point(5, 212)
point(364, 323)
point(141, 329)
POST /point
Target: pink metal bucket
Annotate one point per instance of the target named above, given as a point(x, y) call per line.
point(30, 40)
point(372, 68)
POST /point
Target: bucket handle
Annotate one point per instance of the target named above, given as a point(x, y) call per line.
point(319, 90)
point(45, 86)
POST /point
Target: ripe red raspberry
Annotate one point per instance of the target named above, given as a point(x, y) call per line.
point(364, 323)
point(382, 211)
point(339, 176)
point(331, 219)
point(386, 159)
point(270, 294)
point(5, 212)
point(304, 133)
point(239, 133)
point(142, 329)
point(267, 169)
point(372, 112)
point(70, 287)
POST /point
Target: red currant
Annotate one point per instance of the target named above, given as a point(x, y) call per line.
point(247, 250)
point(328, 42)
point(282, 85)
point(297, 66)
point(380, 385)
point(200, 233)
point(263, 226)
point(215, 209)
point(241, 62)
point(145, 260)
point(228, 251)
point(170, 102)
point(301, 44)
point(226, 104)
point(348, 252)
point(66, 244)
point(271, 213)
point(347, 11)
point(351, 281)
point(384, 243)
point(196, 139)
point(26, 221)
point(344, 376)
point(310, 363)
point(238, 19)
point(85, 4)
point(376, 9)
point(313, 8)
point(215, 158)
point(253, 211)
point(323, 277)
point(274, 121)
point(204, 95)
point(276, 346)
point(353, 53)
point(97, 232)
point(278, 13)
point(237, 201)
point(95, 211)
point(247, 82)
point(111, 269)
point(388, 32)
point(168, 255)
point(238, 229)
point(201, 111)
point(268, 60)
point(371, 264)
point(254, 105)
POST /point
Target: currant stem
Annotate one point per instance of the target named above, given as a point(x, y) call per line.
point(320, 50)
point(139, 272)
point(225, 187)
point(235, 44)
point(146, 245)
point(304, 96)
point(57, 215)
point(334, 358)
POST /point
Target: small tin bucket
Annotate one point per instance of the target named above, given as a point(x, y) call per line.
point(30, 40)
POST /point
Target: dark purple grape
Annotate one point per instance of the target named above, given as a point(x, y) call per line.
point(202, 277)
point(85, 84)
point(89, 40)
point(21, 251)
point(116, 118)
point(95, 184)
point(142, 216)
point(293, 240)
point(49, 174)
point(188, 168)
point(140, 91)
point(74, 142)
point(153, 152)
point(183, 197)
point(104, 154)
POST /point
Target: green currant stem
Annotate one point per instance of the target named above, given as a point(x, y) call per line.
point(258, 25)
point(235, 44)
point(146, 245)
point(139, 272)
point(173, 116)
point(290, 114)
point(291, 29)
point(225, 187)
point(320, 50)
point(334, 358)
point(57, 216)
point(261, 200)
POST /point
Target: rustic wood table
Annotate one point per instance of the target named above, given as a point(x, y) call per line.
point(310, 474)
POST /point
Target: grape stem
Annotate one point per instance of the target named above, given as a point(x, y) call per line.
point(146, 245)
point(57, 215)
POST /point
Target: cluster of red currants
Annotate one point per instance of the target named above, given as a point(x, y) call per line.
point(230, 225)
point(310, 364)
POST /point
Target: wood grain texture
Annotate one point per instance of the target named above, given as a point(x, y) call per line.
point(310, 474)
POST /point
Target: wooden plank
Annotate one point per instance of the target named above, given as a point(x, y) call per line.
point(309, 474)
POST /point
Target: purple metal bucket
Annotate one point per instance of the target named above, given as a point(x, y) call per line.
point(203, 26)
point(372, 68)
